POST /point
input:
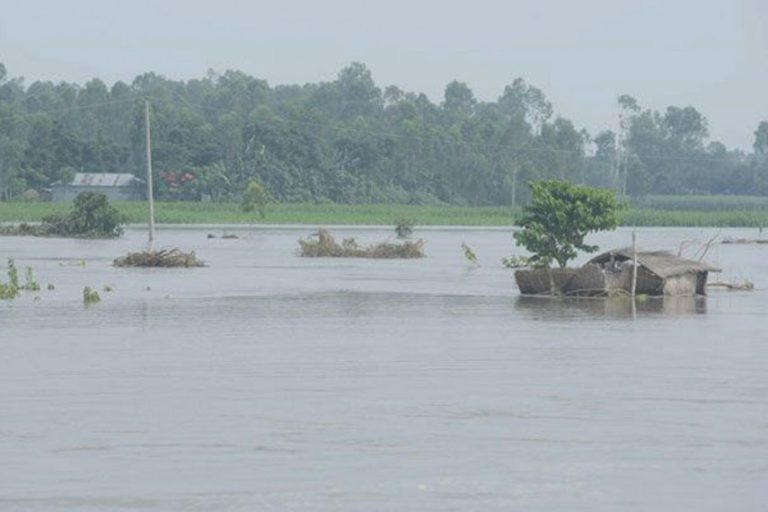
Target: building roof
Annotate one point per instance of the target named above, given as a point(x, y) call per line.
point(662, 263)
point(93, 179)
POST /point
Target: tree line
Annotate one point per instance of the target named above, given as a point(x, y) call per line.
point(351, 141)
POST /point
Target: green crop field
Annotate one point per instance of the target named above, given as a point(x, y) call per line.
point(716, 211)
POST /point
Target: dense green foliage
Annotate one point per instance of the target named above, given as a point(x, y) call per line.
point(350, 141)
point(91, 216)
point(560, 216)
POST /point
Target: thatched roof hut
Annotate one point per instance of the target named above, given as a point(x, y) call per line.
point(658, 273)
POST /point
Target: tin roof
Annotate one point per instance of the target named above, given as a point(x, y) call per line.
point(93, 179)
point(662, 263)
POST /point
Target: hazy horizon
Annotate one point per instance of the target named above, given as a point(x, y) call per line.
point(704, 54)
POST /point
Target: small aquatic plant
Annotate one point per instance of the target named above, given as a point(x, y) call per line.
point(12, 288)
point(13, 274)
point(469, 254)
point(29, 281)
point(90, 296)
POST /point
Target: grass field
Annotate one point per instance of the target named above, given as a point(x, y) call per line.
point(666, 211)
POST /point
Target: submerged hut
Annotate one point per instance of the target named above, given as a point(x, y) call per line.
point(658, 273)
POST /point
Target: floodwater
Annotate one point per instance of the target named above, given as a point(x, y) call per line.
point(271, 382)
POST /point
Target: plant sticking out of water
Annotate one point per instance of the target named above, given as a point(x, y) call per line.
point(91, 216)
point(12, 288)
point(13, 274)
point(404, 227)
point(29, 281)
point(469, 254)
point(90, 297)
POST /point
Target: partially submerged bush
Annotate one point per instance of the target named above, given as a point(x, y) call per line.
point(325, 246)
point(91, 216)
point(90, 296)
point(12, 288)
point(165, 258)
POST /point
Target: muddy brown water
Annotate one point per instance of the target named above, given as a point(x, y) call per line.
point(270, 382)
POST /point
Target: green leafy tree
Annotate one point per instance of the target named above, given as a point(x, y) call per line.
point(255, 199)
point(560, 216)
point(91, 216)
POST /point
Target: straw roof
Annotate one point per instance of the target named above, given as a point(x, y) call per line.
point(662, 263)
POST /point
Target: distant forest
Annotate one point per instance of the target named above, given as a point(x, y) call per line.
point(350, 141)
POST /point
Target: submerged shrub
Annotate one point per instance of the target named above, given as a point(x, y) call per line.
point(90, 296)
point(91, 217)
point(325, 246)
point(404, 228)
point(12, 288)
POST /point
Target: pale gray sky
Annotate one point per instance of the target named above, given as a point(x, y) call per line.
point(583, 54)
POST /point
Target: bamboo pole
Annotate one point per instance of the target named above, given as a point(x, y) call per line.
point(634, 263)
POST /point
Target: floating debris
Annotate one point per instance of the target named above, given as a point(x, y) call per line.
point(164, 258)
point(745, 241)
point(325, 246)
point(745, 285)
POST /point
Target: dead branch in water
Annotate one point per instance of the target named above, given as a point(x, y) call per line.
point(743, 286)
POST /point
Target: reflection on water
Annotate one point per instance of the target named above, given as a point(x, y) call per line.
point(270, 382)
point(621, 308)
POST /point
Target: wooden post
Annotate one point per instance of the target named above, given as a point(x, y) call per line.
point(150, 197)
point(634, 263)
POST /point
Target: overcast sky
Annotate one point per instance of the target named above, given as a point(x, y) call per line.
point(583, 54)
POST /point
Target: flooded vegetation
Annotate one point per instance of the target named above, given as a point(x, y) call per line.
point(162, 258)
point(324, 245)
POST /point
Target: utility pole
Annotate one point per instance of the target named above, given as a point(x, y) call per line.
point(150, 197)
point(619, 142)
point(634, 263)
